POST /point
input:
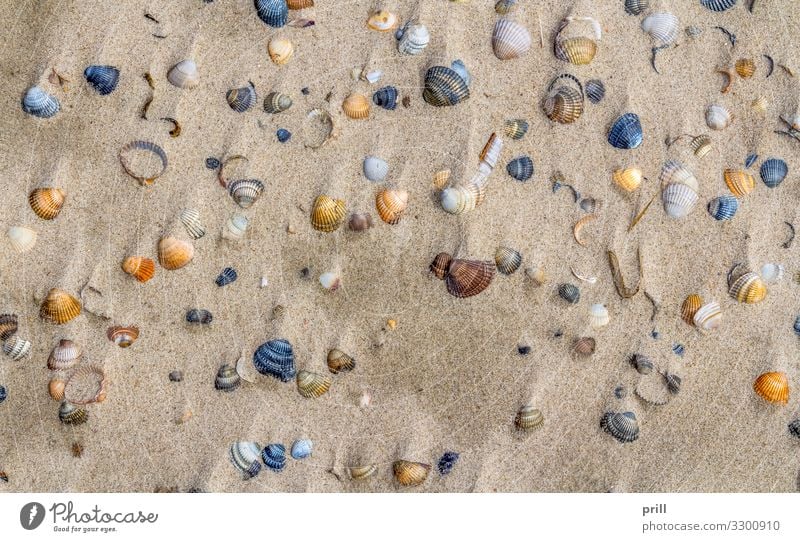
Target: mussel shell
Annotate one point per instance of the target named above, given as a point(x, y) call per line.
point(569, 293)
point(528, 418)
point(275, 358)
point(241, 99)
point(626, 132)
point(723, 207)
point(227, 378)
point(301, 449)
point(773, 387)
point(444, 87)
point(516, 128)
point(70, 414)
point(520, 168)
point(773, 171)
point(104, 79)
point(466, 278)
point(199, 316)
point(272, 12)
point(507, 260)
point(275, 102)
point(312, 385)
point(245, 192)
point(39, 103)
point(718, 5)
point(410, 473)
point(620, 425)
point(338, 361)
point(386, 98)
point(8, 325)
point(227, 276)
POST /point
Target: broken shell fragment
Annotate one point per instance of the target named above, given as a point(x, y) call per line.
point(70, 414)
point(584, 346)
point(86, 385)
point(383, 20)
point(191, 221)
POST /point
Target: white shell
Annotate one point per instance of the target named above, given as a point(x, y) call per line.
point(708, 317)
point(492, 154)
point(375, 169)
point(459, 199)
point(510, 40)
point(22, 238)
point(598, 316)
point(772, 272)
point(674, 172)
point(662, 27)
point(373, 76)
point(678, 200)
point(236, 227)
point(191, 220)
point(16, 347)
point(264, 282)
point(718, 117)
point(184, 74)
point(330, 280)
point(414, 40)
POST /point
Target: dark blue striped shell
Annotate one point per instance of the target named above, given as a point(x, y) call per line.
point(227, 276)
point(444, 87)
point(620, 425)
point(3, 393)
point(275, 358)
point(626, 132)
point(104, 79)
point(199, 316)
point(241, 99)
point(274, 456)
point(273, 12)
point(718, 5)
point(773, 172)
point(723, 207)
point(797, 326)
point(595, 91)
point(447, 462)
point(520, 168)
point(283, 135)
point(750, 159)
point(40, 104)
point(386, 98)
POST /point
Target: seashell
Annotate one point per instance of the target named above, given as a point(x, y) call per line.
point(444, 87)
point(191, 221)
point(275, 358)
point(773, 387)
point(748, 288)
point(745, 67)
point(723, 207)
point(70, 414)
point(375, 169)
point(338, 361)
point(740, 183)
point(327, 214)
point(466, 278)
point(55, 388)
point(245, 457)
point(414, 40)
point(460, 69)
point(701, 145)
point(598, 315)
point(708, 317)
point(22, 239)
point(794, 428)
point(318, 128)
point(489, 156)
point(718, 117)
point(510, 39)
point(360, 221)
point(448, 459)
point(440, 265)
point(772, 272)
point(16, 347)
point(580, 224)
point(227, 276)
point(410, 473)
point(362, 472)
point(280, 50)
point(520, 168)
point(275, 102)
point(184, 74)
point(642, 363)
point(627, 179)
point(59, 307)
point(569, 293)
point(391, 204)
point(386, 98)
point(383, 20)
point(64, 355)
point(674, 172)
point(507, 260)
point(8, 325)
point(299, 4)
point(662, 27)
point(620, 425)
point(47, 202)
point(578, 50)
point(441, 179)
point(689, 308)
point(760, 104)
point(227, 379)
point(241, 99)
point(245, 192)
point(174, 253)
point(626, 132)
point(39, 103)
point(235, 227)
point(283, 135)
point(528, 418)
point(718, 5)
point(516, 128)
point(679, 200)
point(199, 316)
point(503, 7)
point(673, 383)
point(123, 336)
point(564, 103)
point(301, 449)
point(330, 280)
point(311, 385)
point(272, 12)
point(356, 106)
point(636, 7)
point(773, 172)
point(584, 346)
point(104, 79)
point(460, 199)
point(86, 385)
point(595, 91)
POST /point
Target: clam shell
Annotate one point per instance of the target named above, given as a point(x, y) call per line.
point(674, 172)
point(274, 456)
point(528, 418)
point(708, 317)
point(311, 385)
point(739, 182)
point(123, 336)
point(39, 103)
point(362, 472)
point(241, 99)
point(70, 414)
point(174, 253)
point(245, 192)
point(199, 316)
point(375, 169)
point(689, 308)
point(327, 214)
point(227, 378)
point(662, 27)
point(275, 102)
point(414, 40)
point(598, 315)
point(723, 207)
point(745, 67)
point(338, 362)
point(64, 355)
point(103, 79)
point(245, 457)
point(440, 265)
point(275, 358)
point(510, 39)
point(578, 50)
point(773, 171)
point(620, 425)
point(643, 364)
point(190, 218)
point(773, 387)
point(748, 288)
point(184, 74)
point(227, 276)
point(595, 91)
point(22, 239)
point(636, 7)
point(718, 5)
point(46, 202)
point(391, 203)
point(86, 385)
point(16, 347)
point(410, 473)
point(718, 117)
point(356, 106)
point(466, 278)
point(569, 293)
point(280, 50)
point(626, 132)
point(360, 222)
point(460, 199)
point(628, 179)
point(301, 449)
point(383, 20)
point(679, 200)
point(55, 388)
point(507, 260)
point(444, 87)
point(272, 12)
point(584, 346)
point(386, 98)
point(701, 145)
point(8, 325)
point(515, 128)
point(235, 227)
point(59, 307)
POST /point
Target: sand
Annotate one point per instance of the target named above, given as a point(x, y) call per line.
point(449, 376)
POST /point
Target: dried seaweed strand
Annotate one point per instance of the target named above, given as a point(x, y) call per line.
point(787, 69)
point(788, 242)
point(221, 173)
point(771, 64)
point(146, 106)
point(728, 34)
point(619, 280)
point(150, 17)
point(656, 306)
point(653, 52)
point(641, 214)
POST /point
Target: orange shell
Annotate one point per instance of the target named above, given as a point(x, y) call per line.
point(689, 307)
point(745, 67)
point(740, 183)
point(327, 214)
point(174, 253)
point(46, 202)
point(466, 278)
point(142, 269)
point(299, 4)
point(410, 473)
point(123, 336)
point(59, 307)
point(772, 387)
point(56, 388)
point(356, 106)
point(391, 203)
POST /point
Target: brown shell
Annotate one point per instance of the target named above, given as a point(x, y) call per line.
point(440, 265)
point(55, 388)
point(8, 325)
point(299, 4)
point(745, 67)
point(64, 356)
point(47, 202)
point(466, 278)
point(689, 307)
point(59, 307)
point(327, 214)
point(773, 387)
point(578, 50)
point(139, 267)
point(528, 418)
point(391, 203)
point(338, 361)
point(584, 346)
point(360, 221)
point(86, 385)
point(123, 336)
point(739, 182)
point(565, 105)
point(356, 106)
point(410, 473)
point(174, 253)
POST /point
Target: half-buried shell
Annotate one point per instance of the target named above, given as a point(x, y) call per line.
point(528, 418)
point(410, 473)
point(311, 385)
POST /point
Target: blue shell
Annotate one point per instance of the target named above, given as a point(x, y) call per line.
point(275, 358)
point(301, 449)
point(723, 207)
point(212, 163)
point(386, 98)
point(750, 159)
point(3, 393)
point(40, 104)
point(773, 172)
point(444, 87)
point(272, 12)
point(283, 134)
point(447, 462)
point(595, 91)
point(520, 168)
point(104, 79)
point(797, 326)
point(718, 5)
point(678, 349)
point(199, 316)
point(794, 428)
point(626, 132)
point(460, 68)
point(274, 456)
point(241, 99)
point(227, 276)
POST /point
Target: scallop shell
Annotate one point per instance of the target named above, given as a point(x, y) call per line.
point(584, 346)
point(440, 265)
point(311, 385)
point(410, 473)
point(235, 227)
point(689, 308)
point(301, 449)
point(745, 67)
point(8, 325)
point(708, 317)
point(275, 358)
point(515, 128)
point(444, 87)
point(643, 364)
point(383, 20)
point(245, 457)
point(569, 293)
point(274, 457)
point(360, 222)
point(386, 98)
point(679, 200)
point(507, 260)
point(375, 169)
point(22, 239)
point(466, 278)
point(184, 74)
point(272, 12)
point(356, 106)
point(199, 316)
point(723, 207)
point(510, 39)
point(123, 336)
point(142, 269)
point(39, 103)
point(174, 253)
point(241, 99)
point(275, 102)
point(740, 183)
point(718, 117)
point(598, 315)
point(59, 307)
point(191, 221)
point(620, 425)
point(701, 145)
point(70, 414)
point(391, 204)
point(415, 39)
point(748, 288)
point(227, 379)
point(528, 418)
point(16, 347)
point(460, 199)
point(46, 202)
point(280, 50)
point(662, 27)
point(773, 387)
point(626, 132)
point(362, 472)
point(773, 171)
point(718, 5)
point(327, 214)
point(86, 385)
point(64, 355)
point(636, 7)
point(628, 179)
point(55, 388)
point(595, 91)
point(245, 192)
point(338, 362)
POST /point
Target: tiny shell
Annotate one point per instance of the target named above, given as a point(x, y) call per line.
point(191, 221)
point(569, 293)
point(199, 316)
point(447, 461)
point(745, 67)
point(55, 388)
point(16, 347)
point(299, 4)
point(643, 364)
point(708, 317)
point(184, 74)
point(383, 20)
point(510, 39)
point(375, 169)
point(59, 307)
point(8, 325)
point(123, 336)
point(327, 214)
point(621, 425)
point(760, 104)
point(626, 132)
point(628, 179)
point(141, 268)
point(275, 358)
point(64, 355)
point(528, 418)
point(391, 203)
point(330, 280)
point(748, 288)
point(515, 128)
point(227, 379)
point(584, 346)
point(245, 457)
point(22, 239)
point(598, 315)
point(301, 449)
point(227, 276)
point(689, 308)
point(245, 192)
point(241, 99)
point(275, 102)
point(86, 385)
point(39, 103)
point(174, 253)
point(773, 171)
point(740, 183)
point(46, 202)
point(718, 117)
point(410, 473)
point(507, 260)
point(466, 278)
point(70, 414)
point(520, 168)
point(338, 362)
point(311, 385)
point(595, 91)
point(356, 106)
point(773, 387)
point(280, 50)
point(362, 472)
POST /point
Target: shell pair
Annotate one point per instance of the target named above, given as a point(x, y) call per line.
point(679, 189)
point(576, 40)
point(391, 204)
point(227, 379)
point(463, 278)
point(564, 102)
point(47, 202)
point(245, 457)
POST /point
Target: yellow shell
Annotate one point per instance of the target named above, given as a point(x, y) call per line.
point(772, 387)
point(689, 307)
point(745, 67)
point(578, 51)
point(627, 179)
point(280, 50)
point(564, 105)
point(59, 307)
point(391, 203)
point(327, 214)
point(312, 385)
point(441, 179)
point(174, 253)
point(410, 473)
point(356, 106)
point(142, 269)
point(760, 104)
point(748, 288)
point(528, 418)
point(383, 20)
point(740, 183)
point(46, 202)
point(701, 145)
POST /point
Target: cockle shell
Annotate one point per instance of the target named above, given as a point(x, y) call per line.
point(356, 106)
point(245, 192)
point(327, 214)
point(410, 473)
point(460, 199)
point(520, 168)
point(528, 418)
point(174, 253)
point(662, 27)
point(241, 99)
point(628, 179)
point(311, 385)
point(184, 74)
point(584, 346)
point(275, 358)
point(280, 50)
point(415, 39)
point(39, 103)
point(227, 379)
point(626, 132)
point(569, 293)
point(674, 172)
point(773, 387)
point(739, 182)
point(123, 336)
point(444, 86)
point(636, 7)
point(46, 202)
point(440, 265)
point(16, 347)
point(55, 388)
point(362, 472)
point(772, 272)
point(745, 67)
point(8, 325)
point(301, 449)
point(86, 385)
point(386, 97)
point(360, 222)
point(191, 221)
point(274, 456)
point(773, 171)
point(245, 457)
point(64, 355)
point(598, 316)
point(708, 317)
point(701, 145)
point(22, 239)
point(383, 20)
point(563, 104)
point(689, 308)
point(577, 46)
point(595, 91)
point(338, 361)
point(748, 288)
point(275, 102)
point(510, 39)
point(70, 414)
point(515, 128)
point(391, 203)
point(466, 278)
point(718, 117)
point(507, 260)
point(235, 227)
point(679, 200)
point(718, 5)
point(272, 12)
point(620, 425)
point(375, 169)
point(59, 307)
point(723, 207)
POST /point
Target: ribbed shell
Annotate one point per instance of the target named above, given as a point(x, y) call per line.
point(598, 315)
point(184, 74)
point(327, 214)
point(280, 50)
point(227, 379)
point(46, 202)
point(460, 199)
point(386, 97)
point(174, 253)
point(86, 385)
point(70, 414)
point(391, 203)
point(620, 425)
point(235, 227)
point(689, 308)
point(103, 79)
point(723, 207)
point(275, 358)
point(701, 145)
point(510, 39)
point(748, 288)
point(22, 239)
point(338, 362)
point(569, 293)
point(59, 307)
point(65, 355)
point(362, 472)
point(299, 4)
point(16, 347)
point(679, 200)
point(227, 276)
point(466, 278)
point(628, 179)
point(528, 418)
point(773, 387)
point(356, 106)
point(626, 132)
point(563, 104)
point(39, 103)
point(773, 171)
point(275, 102)
point(274, 456)
point(740, 183)
point(673, 172)
point(520, 168)
point(245, 192)
point(191, 221)
point(636, 7)
point(375, 169)
point(507, 260)
point(584, 346)
point(662, 27)
point(440, 265)
point(444, 87)
point(123, 336)
point(718, 5)
point(414, 40)
point(8, 325)
point(708, 317)
point(718, 117)
point(56, 387)
point(578, 50)
point(595, 91)
point(515, 128)
point(272, 12)
point(745, 67)
point(311, 385)
point(199, 316)
point(241, 99)
point(301, 449)
point(410, 473)
point(245, 457)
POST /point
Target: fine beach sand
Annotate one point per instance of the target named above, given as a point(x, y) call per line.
point(449, 376)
